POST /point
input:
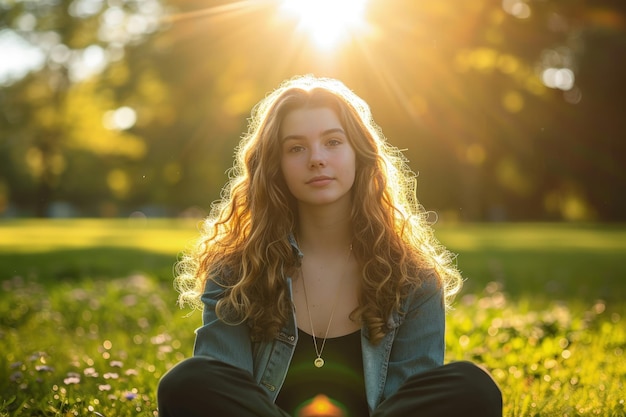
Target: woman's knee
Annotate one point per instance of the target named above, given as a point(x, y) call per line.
point(181, 375)
point(186, 376)
point(203, 386)
point(475, 385)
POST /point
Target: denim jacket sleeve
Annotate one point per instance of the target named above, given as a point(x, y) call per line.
point(419, 341)
point(227, 343)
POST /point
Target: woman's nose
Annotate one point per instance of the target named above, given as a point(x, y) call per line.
point(317, 159)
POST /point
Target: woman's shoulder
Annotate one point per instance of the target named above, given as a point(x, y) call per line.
point(426, 286)
point(217, 282)
point(429, 276)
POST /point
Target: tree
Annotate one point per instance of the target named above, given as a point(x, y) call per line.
point(59, 109)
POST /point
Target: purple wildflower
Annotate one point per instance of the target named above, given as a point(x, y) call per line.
point(16, 376)
point(130, 395)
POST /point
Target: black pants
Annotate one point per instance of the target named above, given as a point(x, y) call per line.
point(203, 387)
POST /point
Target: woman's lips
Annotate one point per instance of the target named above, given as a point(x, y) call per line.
point(319, 181)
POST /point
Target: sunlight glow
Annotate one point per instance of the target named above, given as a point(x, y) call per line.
point(561, 78)
point(119, 119)
point(18, 57)
point(328, 22)
point(517, 8)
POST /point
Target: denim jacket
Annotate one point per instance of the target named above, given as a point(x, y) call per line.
point(413, 344)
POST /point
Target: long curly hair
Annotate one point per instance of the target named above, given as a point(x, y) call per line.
point(244, 245)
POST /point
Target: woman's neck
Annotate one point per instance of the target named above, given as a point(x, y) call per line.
point(324, 231)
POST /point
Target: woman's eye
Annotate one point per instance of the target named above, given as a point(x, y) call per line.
point(334, 142)
point(296, 148)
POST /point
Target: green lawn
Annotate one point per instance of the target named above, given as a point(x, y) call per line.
point(88, 320)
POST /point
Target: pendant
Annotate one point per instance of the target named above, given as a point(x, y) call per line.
point(319, 362)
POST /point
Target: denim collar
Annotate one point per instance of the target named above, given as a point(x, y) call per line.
point(294, 245)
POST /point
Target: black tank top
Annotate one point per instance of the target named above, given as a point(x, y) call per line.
point(340, 379)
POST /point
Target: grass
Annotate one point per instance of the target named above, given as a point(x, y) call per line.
point(88, 321)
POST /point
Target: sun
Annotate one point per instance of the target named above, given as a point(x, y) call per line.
point(328, 22)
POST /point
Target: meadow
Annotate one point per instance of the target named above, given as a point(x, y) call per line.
point(89, 321)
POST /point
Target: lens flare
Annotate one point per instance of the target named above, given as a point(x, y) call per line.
point(321, 406)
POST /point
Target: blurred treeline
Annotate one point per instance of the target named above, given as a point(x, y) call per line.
point(508, 110)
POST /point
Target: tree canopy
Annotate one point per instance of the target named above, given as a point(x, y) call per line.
point(508, 110)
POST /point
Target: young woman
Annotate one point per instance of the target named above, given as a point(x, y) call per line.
point(322, 286)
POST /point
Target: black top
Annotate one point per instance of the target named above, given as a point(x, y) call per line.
point(340, 379)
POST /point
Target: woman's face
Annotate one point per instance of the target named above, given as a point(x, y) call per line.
point(317, 160)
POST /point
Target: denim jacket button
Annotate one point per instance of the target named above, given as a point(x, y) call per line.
point(269, 386)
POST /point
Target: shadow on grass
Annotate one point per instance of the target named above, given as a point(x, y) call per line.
point(79, 264)
point(556, 274)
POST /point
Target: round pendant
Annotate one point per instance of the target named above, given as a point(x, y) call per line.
point(319, 362)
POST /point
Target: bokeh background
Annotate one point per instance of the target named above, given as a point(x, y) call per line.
point(508, 109)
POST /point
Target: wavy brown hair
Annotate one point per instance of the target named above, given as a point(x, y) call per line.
point(244, 244)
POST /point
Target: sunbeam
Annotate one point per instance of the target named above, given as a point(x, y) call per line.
point(328, 22)
point(223, 11)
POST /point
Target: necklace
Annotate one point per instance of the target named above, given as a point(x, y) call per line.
point(319, 362)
